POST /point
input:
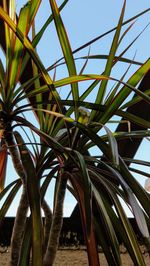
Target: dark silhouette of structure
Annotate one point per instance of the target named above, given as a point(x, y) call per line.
point(71, 233)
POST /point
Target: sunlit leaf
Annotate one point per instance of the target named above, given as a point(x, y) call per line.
point(18, 47)
point(34, 6)
point(108, 68)
point(123, 94)
point(27, 44)
point(118, 58)
point(66, 48)
point(110, 31)
point(39, 35)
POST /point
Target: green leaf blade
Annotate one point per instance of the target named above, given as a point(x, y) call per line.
point(65, 45)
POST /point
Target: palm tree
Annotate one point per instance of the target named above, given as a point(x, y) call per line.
point(58, 145)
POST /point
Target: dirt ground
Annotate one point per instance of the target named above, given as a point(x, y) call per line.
point(76, 257)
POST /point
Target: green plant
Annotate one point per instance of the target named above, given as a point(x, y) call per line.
point(58, 145)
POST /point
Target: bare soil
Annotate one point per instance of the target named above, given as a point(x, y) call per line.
point(77, 257)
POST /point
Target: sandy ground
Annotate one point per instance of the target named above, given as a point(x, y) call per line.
point(74, 257)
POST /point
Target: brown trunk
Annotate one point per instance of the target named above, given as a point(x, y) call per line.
point(18, 229)
point(20, 219)
point(57, 221)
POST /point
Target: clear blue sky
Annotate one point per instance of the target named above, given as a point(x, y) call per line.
point(84, 20)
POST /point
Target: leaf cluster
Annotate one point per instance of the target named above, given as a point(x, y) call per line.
point(49, 136)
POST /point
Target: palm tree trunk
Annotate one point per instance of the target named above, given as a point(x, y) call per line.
point(57, 221)
point(11, 146)
point(20, 220)
point(18, 228)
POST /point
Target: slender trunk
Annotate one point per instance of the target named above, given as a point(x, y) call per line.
point(18, 228)
point(56, 222)
point(20, 219)
point(11, 145)
point(47, 224)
